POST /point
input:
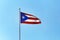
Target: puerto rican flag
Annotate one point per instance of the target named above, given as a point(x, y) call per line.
point(29, 19)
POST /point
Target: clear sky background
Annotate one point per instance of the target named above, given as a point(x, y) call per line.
point(47, 10)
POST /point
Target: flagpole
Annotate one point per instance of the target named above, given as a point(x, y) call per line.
point(19, 24)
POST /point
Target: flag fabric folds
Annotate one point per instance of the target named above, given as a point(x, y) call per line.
point(29, 19)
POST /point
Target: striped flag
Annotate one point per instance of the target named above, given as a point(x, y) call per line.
point(29, 19)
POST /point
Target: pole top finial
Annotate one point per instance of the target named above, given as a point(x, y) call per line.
point(19, 9)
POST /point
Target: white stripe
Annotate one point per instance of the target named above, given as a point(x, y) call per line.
point(32, 20)
point(31, 16)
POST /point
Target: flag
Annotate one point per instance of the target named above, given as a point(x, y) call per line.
point(29, 19)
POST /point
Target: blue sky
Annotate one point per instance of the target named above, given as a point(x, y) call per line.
point(47, 10)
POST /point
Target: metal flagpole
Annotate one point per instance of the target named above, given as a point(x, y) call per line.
point(19, 24)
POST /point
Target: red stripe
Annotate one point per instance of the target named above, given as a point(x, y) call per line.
point(31, 22)
point(33, 18)
point(28, 14)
